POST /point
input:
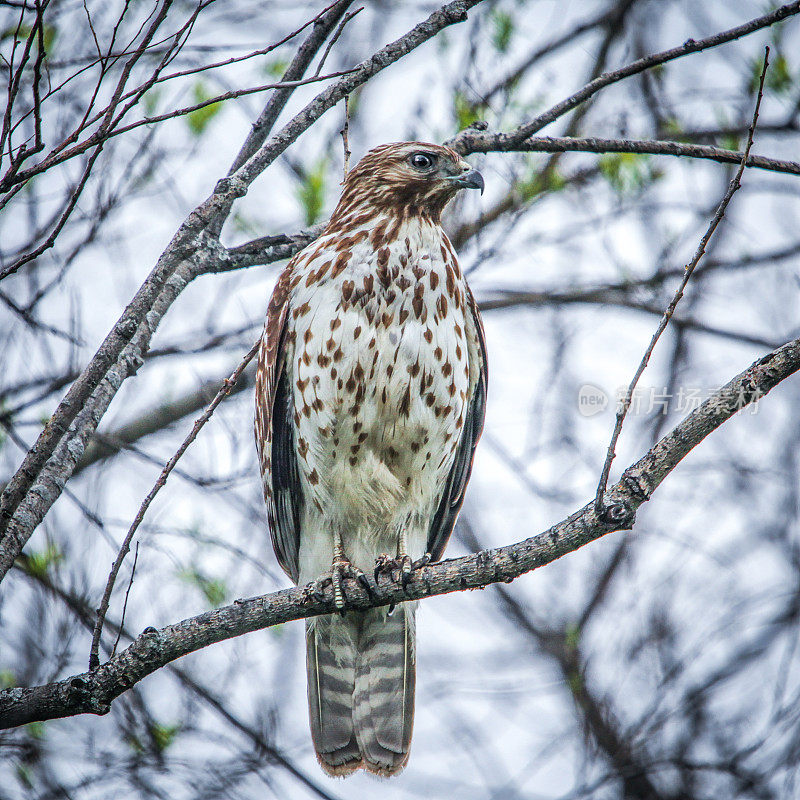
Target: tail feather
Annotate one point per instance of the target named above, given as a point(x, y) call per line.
point(330, 660)
point(361, 679)
point(384, 689)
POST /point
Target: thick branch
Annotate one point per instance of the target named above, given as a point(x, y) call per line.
point(93, 692)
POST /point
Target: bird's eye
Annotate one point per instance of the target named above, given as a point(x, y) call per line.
point(422, 161)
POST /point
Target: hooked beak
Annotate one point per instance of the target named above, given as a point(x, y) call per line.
point(469, 180)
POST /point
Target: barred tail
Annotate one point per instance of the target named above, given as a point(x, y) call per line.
point(361, 678)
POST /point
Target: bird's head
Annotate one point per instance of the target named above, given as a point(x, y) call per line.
point(408, 178)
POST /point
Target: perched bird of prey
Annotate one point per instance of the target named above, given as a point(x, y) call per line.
point(370, 399)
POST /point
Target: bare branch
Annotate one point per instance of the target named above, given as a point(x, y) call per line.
point(504, 143)
point(461, 142)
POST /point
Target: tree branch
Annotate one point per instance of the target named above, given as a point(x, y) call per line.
point(478, 142)
point(461, 141)
point(93, 692)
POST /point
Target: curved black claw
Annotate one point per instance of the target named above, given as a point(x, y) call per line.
point(422, 562)
point(364, 581)
point(405, 570)
point(316, 590)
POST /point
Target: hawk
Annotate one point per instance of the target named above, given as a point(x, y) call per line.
point(370, 399)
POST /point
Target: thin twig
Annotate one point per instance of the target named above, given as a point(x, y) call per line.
point(335, 37)
point(224, 390)
point(688, 47)
point(701, 248)
point(125, 604)
point(345, 131)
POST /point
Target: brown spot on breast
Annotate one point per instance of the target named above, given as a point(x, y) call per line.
point(340, 264)
point(405, 402)
point(301, 310)
point(403, 315)
point(413, 369)
point(357, 332)
point(350, 386)
point(347, 290)
point(369, 283)
point(437, 353)
point(441, 306)
point(434, 280)
point(428, 335)
point(338, 355)
point(335, 323)
point(446, 368)
point(419, 273)
point(387, 319)
point(302, 447)
point(451, 279)
point(403, 283)
point(308, 335)
point(322, 360)
point(331, 343)
point(313, 478)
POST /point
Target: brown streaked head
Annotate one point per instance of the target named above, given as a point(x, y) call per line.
point(407, 178)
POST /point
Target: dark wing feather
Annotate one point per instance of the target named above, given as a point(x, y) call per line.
point(275, 432)
point(453, 495)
